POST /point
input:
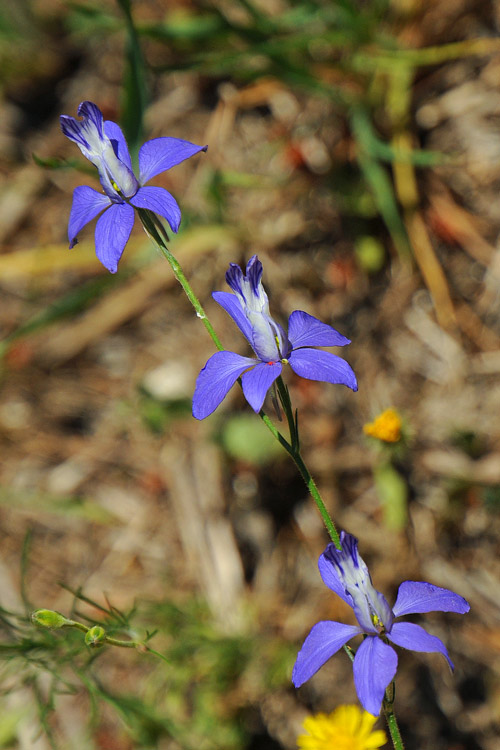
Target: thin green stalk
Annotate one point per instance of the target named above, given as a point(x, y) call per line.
point(104, 637)
point(156, 232)
point(349, 651)
point(311, 486)
point(287, 407)
point(294, 451)
point(76, 625)
point(390, 717)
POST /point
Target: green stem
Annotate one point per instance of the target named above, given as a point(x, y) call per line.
point(311, 486)
point(349, 651)
point(306, 476)
point(294, 451)
point(156, 232)
point(76, 625)
point(287, 407)
point(122, 644)
point(107, 638)
point(151, 226)
point(390, 717)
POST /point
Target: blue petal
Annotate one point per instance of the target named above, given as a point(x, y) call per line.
point(323, 641)
point(87, 203)
point(348, 567)
point(257, 382)
point(330, 575)
point(232, 306)
point(83, 132)
point(253, 272)
point(89, 134)
point(269, 341)
point(159, 201)
point(92, 112)
point(259, 329)
point(249, 287)
point(374, 667)
point(413, 637)
point(234, 276)
point(72, 130)
point(419, 596)
point(111, 234)
point(214, 381)
point(160, 154)
point(306, 330)
point(315, 364)
point(118, 141)
point(267, 338)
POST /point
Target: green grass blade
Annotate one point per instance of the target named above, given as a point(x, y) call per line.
point(135, 89)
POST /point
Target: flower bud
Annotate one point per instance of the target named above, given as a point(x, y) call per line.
point(46, 618)
point(95, 637)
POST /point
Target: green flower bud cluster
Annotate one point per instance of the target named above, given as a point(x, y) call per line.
point(95, 636)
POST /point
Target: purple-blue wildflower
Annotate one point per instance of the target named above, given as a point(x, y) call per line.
point(249, 308)
point(103, 143)
point(375, 663)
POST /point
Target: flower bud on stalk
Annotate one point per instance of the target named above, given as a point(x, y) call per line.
point(95, 637)
point(47, 618)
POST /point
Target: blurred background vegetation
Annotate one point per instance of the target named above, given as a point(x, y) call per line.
point(354, 145)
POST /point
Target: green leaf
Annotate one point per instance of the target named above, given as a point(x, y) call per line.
point(55, 163)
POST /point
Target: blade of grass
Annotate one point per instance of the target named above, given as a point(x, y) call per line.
point(398, 105)
point(135, 88)
point(381, 186)
point(70, 304)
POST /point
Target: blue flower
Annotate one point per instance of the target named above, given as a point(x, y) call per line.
point(375, 663)
point(104, 144)
point(249, 308)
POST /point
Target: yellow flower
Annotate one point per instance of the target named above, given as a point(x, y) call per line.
point(386, 427)
point(347, 728)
